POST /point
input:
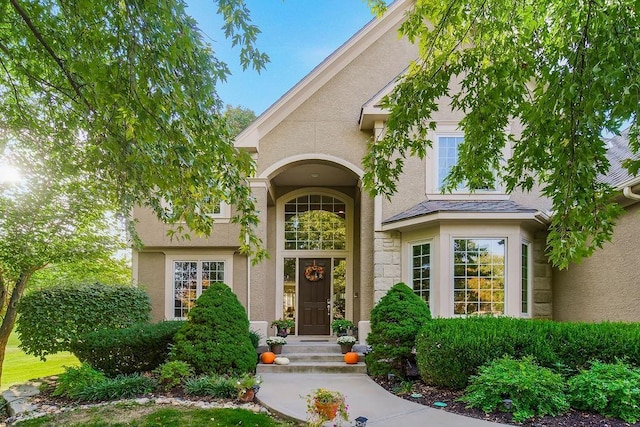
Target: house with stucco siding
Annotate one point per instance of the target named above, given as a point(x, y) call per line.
point(335, 250)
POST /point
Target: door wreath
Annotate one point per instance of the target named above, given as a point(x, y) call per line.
point(314, 272)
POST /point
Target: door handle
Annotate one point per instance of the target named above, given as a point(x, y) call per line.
point(329, 307)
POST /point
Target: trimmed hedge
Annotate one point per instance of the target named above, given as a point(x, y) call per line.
point(50, 319)
point(449, 351)
point(139, 348)
point(395, 323)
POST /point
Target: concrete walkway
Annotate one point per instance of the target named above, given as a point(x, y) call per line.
point(285, 394)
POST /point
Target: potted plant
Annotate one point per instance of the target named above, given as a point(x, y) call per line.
point(283, 326)
point(324, 405)
point(275, 344)
point(341, 326)
point(247, 386)
point(346, 343)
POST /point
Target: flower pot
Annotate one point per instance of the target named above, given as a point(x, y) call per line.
point(247, 396)
point(282, 332)
point(327, 411)
point(346, 348)
point(276, 348)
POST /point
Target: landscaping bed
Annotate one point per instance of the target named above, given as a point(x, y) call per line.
point(431, 394)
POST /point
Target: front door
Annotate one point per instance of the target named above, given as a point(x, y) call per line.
point(314, 284)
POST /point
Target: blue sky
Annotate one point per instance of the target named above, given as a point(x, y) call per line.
point(296, 34)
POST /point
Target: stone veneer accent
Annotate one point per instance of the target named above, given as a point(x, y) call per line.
point(542, 279)
point(387, 270)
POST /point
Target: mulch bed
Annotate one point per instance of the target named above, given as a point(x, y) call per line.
point(430, 395)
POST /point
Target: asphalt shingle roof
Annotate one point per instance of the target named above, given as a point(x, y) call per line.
point(618, 152)
point(432, 206)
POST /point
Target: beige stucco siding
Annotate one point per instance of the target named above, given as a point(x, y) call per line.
point(151, 269)
point(327, 122)
point(605, 286)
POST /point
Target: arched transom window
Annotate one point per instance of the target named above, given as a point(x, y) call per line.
point(315, 222)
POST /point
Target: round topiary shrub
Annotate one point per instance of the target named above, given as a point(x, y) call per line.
point(215, 339)
point(395, 322)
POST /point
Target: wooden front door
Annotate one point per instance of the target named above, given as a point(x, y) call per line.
point(314, 285)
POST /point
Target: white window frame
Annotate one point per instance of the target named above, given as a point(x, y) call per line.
point(411, 245)
point(226, 258)
point(223, 216)
point(529, 301)
point(505, 273)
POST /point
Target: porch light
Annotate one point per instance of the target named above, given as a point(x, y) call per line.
point(315, 175)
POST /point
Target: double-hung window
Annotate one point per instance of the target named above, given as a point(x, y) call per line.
point(448, 152)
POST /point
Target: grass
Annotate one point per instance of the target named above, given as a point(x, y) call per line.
point(151, 416)
point(20, 367)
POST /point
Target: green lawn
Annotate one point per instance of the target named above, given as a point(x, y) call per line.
point(20, 367)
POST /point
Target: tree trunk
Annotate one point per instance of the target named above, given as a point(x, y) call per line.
point(9, 319)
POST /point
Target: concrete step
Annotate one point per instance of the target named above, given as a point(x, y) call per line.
point(313, 367)
point(315, 348)
point(317, 357)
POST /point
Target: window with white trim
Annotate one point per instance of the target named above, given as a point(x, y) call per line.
point(525, 280)
point(190, 279)
point(448, 147)
point(421, 270)
point(479, 276)
point(221, 210)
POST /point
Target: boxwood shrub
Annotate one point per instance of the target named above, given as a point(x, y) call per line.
point(449, 351)
point(139, 348)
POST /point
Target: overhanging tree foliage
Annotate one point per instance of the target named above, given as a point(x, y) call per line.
point(567, 70)
point(125, 91)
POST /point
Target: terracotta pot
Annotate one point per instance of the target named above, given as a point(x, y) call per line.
point(247, 396)
point(327, 411)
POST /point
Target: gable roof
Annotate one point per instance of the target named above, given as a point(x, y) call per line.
point(327, 69)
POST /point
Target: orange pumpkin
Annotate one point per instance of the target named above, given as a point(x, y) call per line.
point(351, 357)
point(267, 357)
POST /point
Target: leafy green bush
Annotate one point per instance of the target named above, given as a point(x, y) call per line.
point(449, 351)
point(215, 338)
point(120, 387)
point(50, 319)
point(517, 386)
point(141, 347)
point(172, 374)
point(220, 387)
point(74, 380)
point(612, 390)
point(395, 322)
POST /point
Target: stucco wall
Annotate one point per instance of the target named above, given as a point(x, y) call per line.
point(151, 278)
point(605, 286)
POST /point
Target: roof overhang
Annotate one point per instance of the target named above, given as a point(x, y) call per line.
point(536, 218)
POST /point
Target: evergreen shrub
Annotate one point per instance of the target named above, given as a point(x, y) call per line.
point(215, 338)
point(139, 348)
point(450, 351)
point(395, 322)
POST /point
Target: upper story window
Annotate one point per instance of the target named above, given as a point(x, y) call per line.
point(221, 210)
point(447, 157)
point(315, 222)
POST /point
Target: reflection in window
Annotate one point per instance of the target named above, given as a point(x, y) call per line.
point(421, 270)
point(190, 279)
point(315, 222)
point(339, 288)
point(478, 276)
point(525, 279)
point(290, 275)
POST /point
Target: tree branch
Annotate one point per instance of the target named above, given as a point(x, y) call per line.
point(74, 84)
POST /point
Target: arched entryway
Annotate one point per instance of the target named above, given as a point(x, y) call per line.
point(314, 263)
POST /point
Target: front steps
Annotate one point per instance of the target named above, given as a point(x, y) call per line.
point(314, 357)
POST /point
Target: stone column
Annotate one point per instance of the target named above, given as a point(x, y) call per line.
point(542, 279)
point(386, 260)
